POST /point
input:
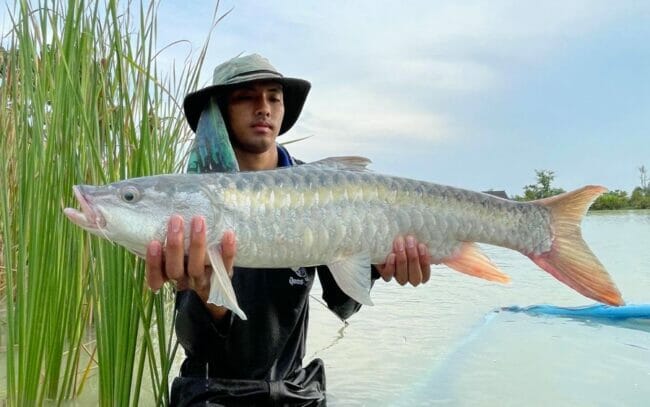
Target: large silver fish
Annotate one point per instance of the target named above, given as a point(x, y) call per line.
point(336, 212)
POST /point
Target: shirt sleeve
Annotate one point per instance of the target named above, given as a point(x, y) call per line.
point(338, 301)
point(196, 329)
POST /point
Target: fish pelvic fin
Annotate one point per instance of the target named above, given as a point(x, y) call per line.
point(470, 260)
point(570, 260)
point(222, 292)
point(352, 274)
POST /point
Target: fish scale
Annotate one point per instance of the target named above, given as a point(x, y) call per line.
point(335, 189)
point(337, 213)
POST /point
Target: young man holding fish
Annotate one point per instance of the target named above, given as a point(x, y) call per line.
point(331, 212)
point(256, 361)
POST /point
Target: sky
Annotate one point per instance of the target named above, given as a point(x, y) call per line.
point(475, 94)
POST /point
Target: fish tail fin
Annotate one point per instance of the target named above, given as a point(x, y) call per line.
point(570, 260)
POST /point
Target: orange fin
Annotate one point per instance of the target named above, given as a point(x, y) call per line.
point(470, 260)
point(570, 260)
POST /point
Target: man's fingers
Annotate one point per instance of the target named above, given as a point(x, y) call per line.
point(401, 261)
point(413, 260)
point(410, 262)
point(425, 262)
point(199, 274)
point(387, 270)
point(174, 250)
point(155, 277)
point(228, 249)
point(196, 252)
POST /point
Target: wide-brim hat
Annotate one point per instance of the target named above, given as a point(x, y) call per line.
point(245, 69)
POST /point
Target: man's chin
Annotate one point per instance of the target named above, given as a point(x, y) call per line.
point(255, 145)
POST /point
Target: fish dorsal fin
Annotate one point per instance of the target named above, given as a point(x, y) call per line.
point(354, 163)
point(352, 274)
point(212, 151)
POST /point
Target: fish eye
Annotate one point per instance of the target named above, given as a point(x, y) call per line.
point(130, 194)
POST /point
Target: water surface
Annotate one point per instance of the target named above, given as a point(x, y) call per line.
point(443, 344)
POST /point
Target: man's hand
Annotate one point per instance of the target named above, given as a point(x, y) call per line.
point(409, 262)
point(170, 266)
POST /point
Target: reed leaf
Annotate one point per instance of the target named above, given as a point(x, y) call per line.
point(82, 101)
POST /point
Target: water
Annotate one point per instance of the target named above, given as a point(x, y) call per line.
point(443, 344)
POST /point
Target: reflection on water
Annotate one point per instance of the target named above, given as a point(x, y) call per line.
point(518, 359)
point(421, 346)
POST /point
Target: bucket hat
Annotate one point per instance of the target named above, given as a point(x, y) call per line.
point(245, 69)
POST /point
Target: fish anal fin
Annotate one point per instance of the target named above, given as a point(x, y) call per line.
point(470, 260)
point(352, 274)
point(222, 292)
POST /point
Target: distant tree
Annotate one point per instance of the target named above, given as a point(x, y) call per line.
point(644, 177)
point(640, 198)
point(543, 188)
point(617, 199)
point(611, 200)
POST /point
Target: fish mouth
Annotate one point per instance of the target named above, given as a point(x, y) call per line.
point(88, 217)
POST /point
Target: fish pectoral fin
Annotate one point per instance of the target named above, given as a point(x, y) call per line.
point(471, 260)
point(352, 274)
point(222, 292)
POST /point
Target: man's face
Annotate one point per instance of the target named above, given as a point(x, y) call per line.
point(255, 113)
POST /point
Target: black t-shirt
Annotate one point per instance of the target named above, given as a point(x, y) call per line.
point(257, 361)
point(233, 358)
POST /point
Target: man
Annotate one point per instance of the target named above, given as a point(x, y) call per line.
point(258, 361)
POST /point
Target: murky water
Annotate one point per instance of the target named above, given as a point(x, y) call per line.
point(441, 343)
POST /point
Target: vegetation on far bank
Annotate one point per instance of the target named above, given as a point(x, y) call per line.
point(617, 199)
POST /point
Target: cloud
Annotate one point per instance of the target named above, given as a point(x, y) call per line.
point(349, 118)
point(460, 80)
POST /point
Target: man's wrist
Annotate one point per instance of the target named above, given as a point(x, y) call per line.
point(218, 313)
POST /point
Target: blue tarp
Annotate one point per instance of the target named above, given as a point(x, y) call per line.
point(594, 311)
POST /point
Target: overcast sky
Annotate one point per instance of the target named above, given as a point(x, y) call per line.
point(476, 94)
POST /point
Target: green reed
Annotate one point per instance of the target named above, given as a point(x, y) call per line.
point(82, 102)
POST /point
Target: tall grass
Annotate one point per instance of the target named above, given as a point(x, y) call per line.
point(81, 101)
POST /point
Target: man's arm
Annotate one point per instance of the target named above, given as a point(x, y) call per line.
point(409, 262)
point(170, 265)
point(199, 325)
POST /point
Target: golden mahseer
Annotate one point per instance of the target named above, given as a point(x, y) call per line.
point(338, 213)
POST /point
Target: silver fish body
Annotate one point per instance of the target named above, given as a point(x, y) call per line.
point(335, 212)
point(309, 216)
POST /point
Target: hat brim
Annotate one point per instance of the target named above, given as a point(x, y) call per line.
point(294, 94)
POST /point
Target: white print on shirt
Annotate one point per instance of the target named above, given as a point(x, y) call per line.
point(302, 279)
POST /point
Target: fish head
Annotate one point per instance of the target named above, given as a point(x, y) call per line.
point(130, 213)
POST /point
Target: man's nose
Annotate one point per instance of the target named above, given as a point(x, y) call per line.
point(262, 106)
